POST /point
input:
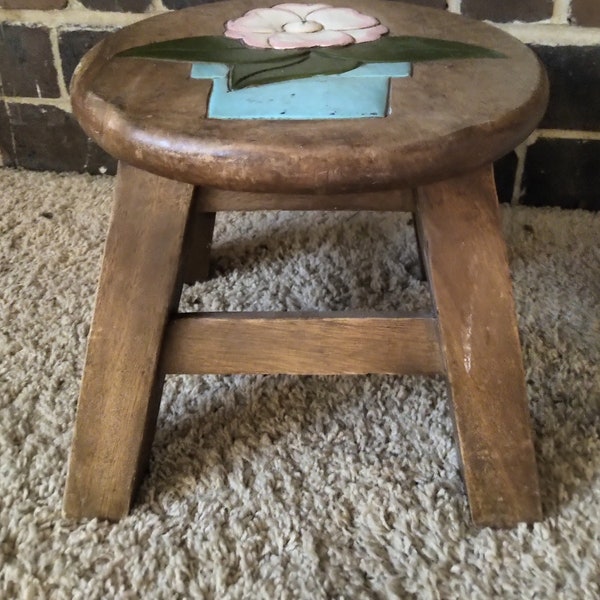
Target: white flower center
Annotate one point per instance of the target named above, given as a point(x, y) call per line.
point(302, 27)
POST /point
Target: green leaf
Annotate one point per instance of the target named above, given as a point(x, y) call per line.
point(407, 49)
point(243, 74)
point(217, 49)
point(256, 66)
point(246, 75)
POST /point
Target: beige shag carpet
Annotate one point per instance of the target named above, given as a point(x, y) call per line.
point(292, 487)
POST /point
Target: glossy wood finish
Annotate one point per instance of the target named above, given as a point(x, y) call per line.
point(448, 118)
point(121, 387)
point(300, 344)
point(467, 265)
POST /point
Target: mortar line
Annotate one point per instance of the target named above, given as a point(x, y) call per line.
point(157, 6)
point(551, 34)
point(62, 86)
point(521, 153)
point(562, 11)
point(61, 102)
point(568, 134)
point(455, 6)
point(76, 16)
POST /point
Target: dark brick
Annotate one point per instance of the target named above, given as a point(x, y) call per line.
point(117, 5)
point(563, 173)
point(47, 138)
point(26, 65)
point(505, 170)
point(34, 4)
point(586, 12)
point(6, 158)
point(73, 45)
point(177, 4)
point(503, 11)
point(574, 73)
point(429, 3)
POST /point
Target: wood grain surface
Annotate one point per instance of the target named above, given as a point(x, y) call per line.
point(448, 118)
point(213, 199)
point(468, 272)
point(121, 387)
point(304, 343)
point(198, 242)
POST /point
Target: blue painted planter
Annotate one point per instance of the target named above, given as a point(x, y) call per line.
point(361, 93)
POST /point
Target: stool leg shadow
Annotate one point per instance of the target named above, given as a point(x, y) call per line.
point(422, 276)
point(196, 266)
point(466, 261)
point(120, 393)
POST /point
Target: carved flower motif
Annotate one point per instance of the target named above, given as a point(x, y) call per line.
point(291, 25)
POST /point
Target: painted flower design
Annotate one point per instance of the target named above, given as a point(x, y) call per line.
point(299, 41)
point(287, 26)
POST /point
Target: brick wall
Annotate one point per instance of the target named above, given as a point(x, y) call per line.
point(41, 41)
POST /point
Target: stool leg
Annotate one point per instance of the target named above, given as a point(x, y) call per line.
point(468, 271)
point(120, 392)
point(196, 266)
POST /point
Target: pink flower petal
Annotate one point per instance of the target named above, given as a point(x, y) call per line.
point(370, 34)
point(301, 9)
point(254, 40)
point(262, 20)
point(340, 19)
point(235, 35)
point(323, 38)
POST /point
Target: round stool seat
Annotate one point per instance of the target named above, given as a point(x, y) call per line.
point(449, 117)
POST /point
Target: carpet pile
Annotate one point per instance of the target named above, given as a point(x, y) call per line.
point(292, 487)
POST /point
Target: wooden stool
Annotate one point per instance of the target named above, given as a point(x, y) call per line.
point(431, 155)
